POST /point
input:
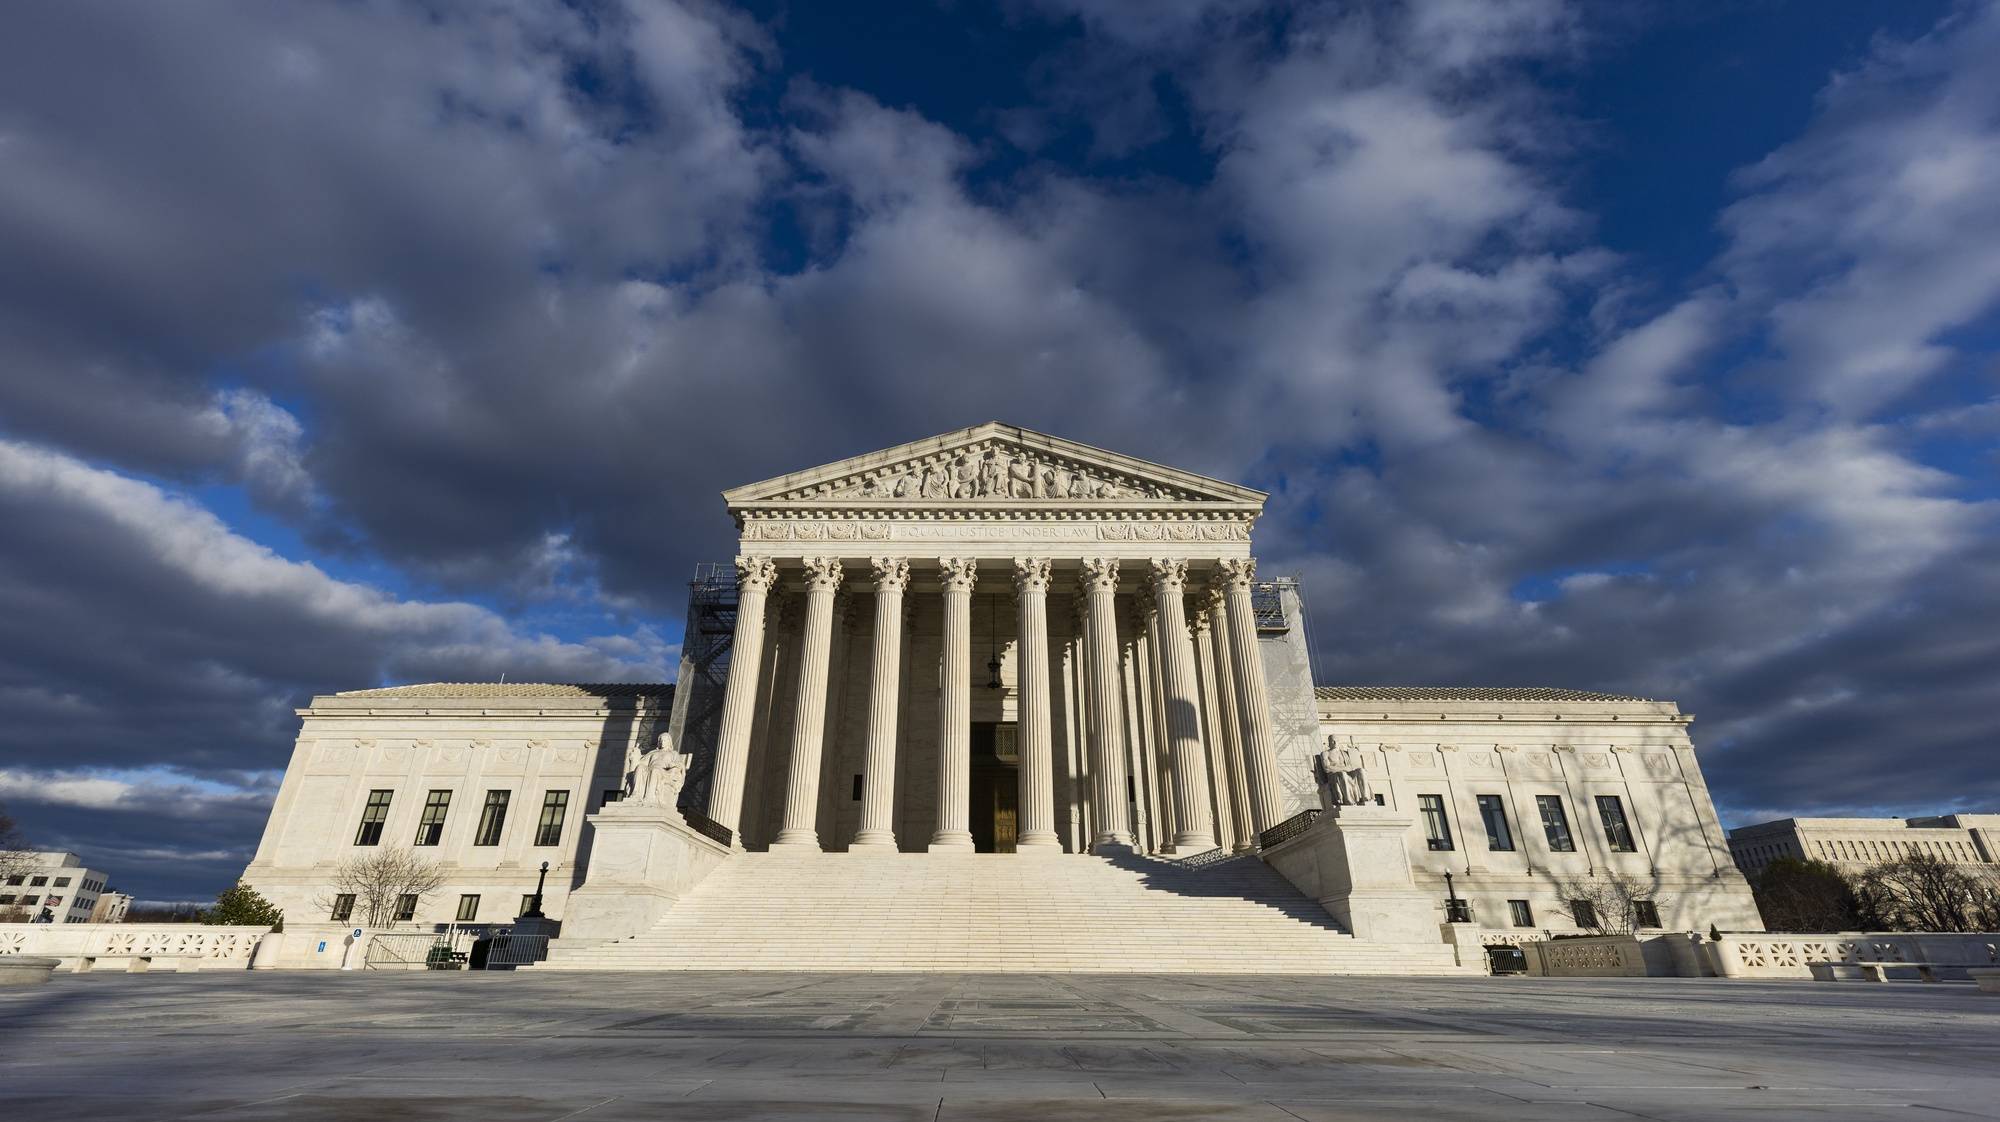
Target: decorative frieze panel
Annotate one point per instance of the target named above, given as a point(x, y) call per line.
point(989, 470)
point(821, 530)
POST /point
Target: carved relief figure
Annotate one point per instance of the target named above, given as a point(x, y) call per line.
point(936, 483)
point(1024, 479)
point(965, 476)
point(1341, 779)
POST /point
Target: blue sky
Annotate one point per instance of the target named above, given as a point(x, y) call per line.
point(1642, 347)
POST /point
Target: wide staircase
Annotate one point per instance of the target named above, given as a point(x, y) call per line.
point(999, 912)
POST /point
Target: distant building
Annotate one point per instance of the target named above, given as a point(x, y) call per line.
point(54, 880)
point(112, 907)
point(1856, 843)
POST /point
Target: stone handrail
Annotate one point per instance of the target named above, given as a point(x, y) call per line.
point(1769, 955)
point(181, 946)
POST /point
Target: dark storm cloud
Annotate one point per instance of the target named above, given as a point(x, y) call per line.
point(479, 300)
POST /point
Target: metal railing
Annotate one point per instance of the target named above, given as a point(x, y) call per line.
point(418, 950)
point(504, 952)
point(1288, 829)
point(707, 827)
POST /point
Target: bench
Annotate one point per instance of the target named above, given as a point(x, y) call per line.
point(1867, 971)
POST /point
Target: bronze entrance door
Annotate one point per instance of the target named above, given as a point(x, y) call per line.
point(995, 788)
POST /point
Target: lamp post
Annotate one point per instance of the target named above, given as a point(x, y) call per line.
point(535, 905)
point(1455, 910)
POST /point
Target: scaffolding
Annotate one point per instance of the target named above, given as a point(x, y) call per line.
point(704, 679)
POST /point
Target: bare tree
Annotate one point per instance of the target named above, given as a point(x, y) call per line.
point(1922, 893)
point(1608, 904)
point(13, 848)
point(378, 880)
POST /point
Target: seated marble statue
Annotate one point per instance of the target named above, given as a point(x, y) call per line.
point(654, 778)
point(1341, 779)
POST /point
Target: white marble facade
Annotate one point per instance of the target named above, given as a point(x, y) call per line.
point(1143, 700)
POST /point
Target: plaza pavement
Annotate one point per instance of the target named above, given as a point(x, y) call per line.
point(1043, 1048)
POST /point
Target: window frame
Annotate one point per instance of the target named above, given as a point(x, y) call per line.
point(1646, 915)
point(1503, 842)
point(493, 817)
point(1566, 843)
point(343, 908)
point(1583, 913)
point(406, 908)
point(468, 907)
point(1622, 838)
point(549, 831)
point(1522, 912)
point(1437, 823)
point(374, 816)
point(436, 812)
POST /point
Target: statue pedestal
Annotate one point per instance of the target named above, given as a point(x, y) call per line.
point(1354, 861)
point(642, 860)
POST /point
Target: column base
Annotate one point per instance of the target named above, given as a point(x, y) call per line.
point(796, 840)
point(1114, 846)
point(873, 845)
point(1192, 843)
point(1047, 843)
point(953, 842)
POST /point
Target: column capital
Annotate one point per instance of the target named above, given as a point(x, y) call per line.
point(1031, 574)
point(1169, 576)
point(822, 573)
point(892, 574)
point(755, 574)
point(1198, 622)
point(957, 574)
point(1234, 573)
point(1100, 574)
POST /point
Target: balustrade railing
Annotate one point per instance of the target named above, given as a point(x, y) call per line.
point(1288, 829)
point(708, 827)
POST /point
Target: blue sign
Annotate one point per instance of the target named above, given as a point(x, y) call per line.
point(322, 946)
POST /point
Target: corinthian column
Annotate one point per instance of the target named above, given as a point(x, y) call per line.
point(1229, 738)
point(809, 712)
point(1114, 825)
point(754, 577)
point(1037, 775)
point(1194, 825)
point(1260, 759)
point(1213, 740)
point(878, 782)
point(955, 708)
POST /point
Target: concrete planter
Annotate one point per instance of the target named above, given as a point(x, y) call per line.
point(26, 970)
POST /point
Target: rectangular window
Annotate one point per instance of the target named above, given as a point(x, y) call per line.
point(611, 795)
point(343, 908)
point(6, 897)
point(372, 817)
point(492, 818)
point(1555, 823)
point(62, 882)
point(1617, 831)
point(555, 806)
point(37, 882)
point(406, 906)
point(1524, 916)
point(1645, 913)
point(1584, 913)
point(468, 908)
point(33, 898)
point(430, 828)
point(527, 904)
point(1437, 828)
point(1494, 813)
point(16, 879)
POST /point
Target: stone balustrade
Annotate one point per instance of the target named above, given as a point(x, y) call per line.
point(134, 947)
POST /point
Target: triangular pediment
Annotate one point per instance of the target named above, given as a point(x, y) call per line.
point(990, 465)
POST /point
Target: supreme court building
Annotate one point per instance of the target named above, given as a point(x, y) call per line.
point(992, 675)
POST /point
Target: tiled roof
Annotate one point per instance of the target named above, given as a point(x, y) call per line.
point(519, 689)
point(1463, 693)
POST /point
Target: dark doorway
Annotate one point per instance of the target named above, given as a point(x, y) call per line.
point(995, 787)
